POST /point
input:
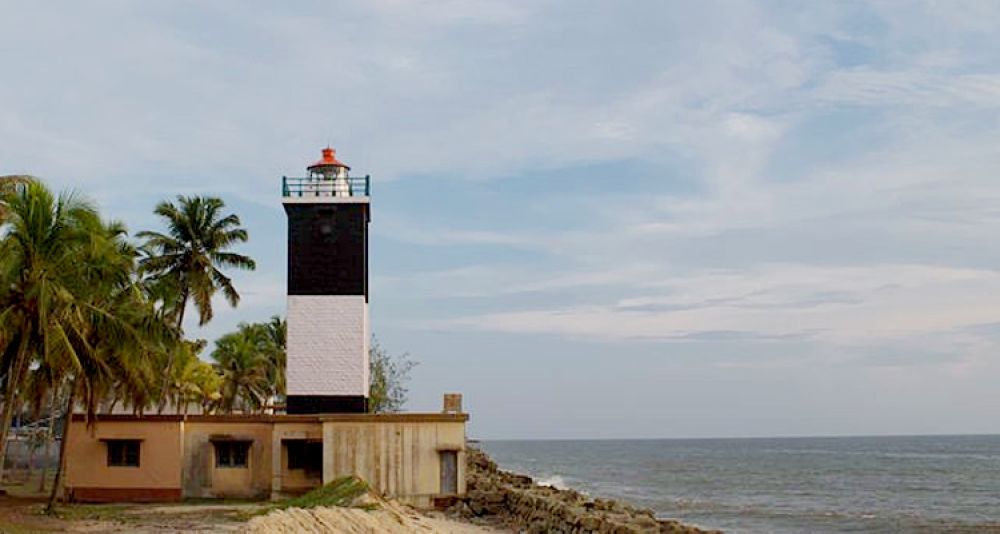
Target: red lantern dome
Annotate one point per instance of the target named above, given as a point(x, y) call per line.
point(329, 161)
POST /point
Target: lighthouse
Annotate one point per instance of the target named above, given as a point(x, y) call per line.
point(328, 331)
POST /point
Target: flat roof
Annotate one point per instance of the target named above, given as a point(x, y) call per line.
point(325, 200)
point(284, 418)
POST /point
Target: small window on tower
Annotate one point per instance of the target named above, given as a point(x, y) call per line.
point(231, 453)
point(123, 452)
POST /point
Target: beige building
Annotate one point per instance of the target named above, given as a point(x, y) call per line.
point(416, 458)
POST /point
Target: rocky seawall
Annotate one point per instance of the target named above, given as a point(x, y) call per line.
point(516, 501)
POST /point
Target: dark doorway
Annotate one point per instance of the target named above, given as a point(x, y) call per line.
point(306, 455)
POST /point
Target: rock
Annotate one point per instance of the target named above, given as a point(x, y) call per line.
point(646, 524)
point(516, 500)
point(588, 522)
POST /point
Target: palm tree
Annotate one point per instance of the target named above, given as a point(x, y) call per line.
point(113, 330)
point(193, 380)
point(251, 362)
point(192, 253)
point(39, 261)
point(243, 363)
point(69, 304)
point(188, 259)
point(276, 333)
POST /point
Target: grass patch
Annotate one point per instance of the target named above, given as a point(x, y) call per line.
point(97, 512)
point(29, 487)
point(341, 492)
point(12, 528)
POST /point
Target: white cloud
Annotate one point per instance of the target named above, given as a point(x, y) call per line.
point(842, 305)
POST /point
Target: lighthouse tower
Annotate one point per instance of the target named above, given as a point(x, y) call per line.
point(328, 333)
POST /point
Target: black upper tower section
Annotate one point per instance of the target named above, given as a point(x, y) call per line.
point(328, 249)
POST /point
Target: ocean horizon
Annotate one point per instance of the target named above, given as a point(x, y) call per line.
point(888, 483)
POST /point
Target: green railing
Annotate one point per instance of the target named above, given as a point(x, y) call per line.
point(353, 186)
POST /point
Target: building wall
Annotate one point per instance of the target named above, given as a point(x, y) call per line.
point(158, 477)
point(201, 476)
point(293, 481)
point(399, 459)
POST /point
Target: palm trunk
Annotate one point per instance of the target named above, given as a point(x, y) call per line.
point(48, 439)
point(67, 417)
point(10, 395)
point(180, 314)
point(170, 357)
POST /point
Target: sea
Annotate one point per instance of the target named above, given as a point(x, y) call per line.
point(782, 485)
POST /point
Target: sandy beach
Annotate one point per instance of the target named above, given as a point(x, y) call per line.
point(24, 515)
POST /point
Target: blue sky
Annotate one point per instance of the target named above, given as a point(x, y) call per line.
point(615, 219)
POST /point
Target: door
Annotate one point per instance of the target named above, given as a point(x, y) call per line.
point(449, 472)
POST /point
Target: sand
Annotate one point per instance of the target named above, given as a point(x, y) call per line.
point(389, 518)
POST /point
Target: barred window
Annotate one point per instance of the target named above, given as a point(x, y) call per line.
point(231, 453)
point(123, 452)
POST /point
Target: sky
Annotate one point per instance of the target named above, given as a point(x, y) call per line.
point(636, 219)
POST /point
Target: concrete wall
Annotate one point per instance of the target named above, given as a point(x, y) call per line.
point(158, 477)
point(399, 459)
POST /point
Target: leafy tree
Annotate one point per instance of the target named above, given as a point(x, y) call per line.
point(114, 330)
point(389, 375)
point(251, 362)
point(242, 361)
point(185, 263)
point(40, 294)
point(70, 313)
point(194, 381)
point(276, 332)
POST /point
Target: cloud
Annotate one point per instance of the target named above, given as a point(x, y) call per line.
point(923, 88)
point(839, 305)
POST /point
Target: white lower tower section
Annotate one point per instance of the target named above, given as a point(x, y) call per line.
point(328, 341)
